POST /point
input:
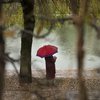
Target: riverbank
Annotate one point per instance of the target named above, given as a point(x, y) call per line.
point(42, 89)
point(40, 73)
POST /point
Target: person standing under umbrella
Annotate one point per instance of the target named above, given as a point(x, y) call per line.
point(47, 52)
point(50, 67)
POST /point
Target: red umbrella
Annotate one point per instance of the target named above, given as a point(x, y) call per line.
point(47, 50)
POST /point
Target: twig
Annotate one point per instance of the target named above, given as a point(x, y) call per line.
point(2, 52)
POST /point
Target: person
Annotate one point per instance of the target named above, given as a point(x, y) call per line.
point(50, 69)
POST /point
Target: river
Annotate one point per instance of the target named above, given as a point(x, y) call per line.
point(65, 38)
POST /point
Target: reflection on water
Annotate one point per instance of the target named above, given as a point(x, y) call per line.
point(65, 39)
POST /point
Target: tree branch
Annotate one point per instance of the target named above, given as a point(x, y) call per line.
point(52, 21)
point(11, 60)
point(97, 28)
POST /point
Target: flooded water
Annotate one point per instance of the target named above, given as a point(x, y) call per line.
point(65, 38)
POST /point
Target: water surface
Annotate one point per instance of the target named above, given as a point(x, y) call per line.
point(65, 38)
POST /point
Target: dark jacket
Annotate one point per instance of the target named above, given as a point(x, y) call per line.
point(50, 67)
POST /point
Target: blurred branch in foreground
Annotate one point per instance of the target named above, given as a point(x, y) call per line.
point(2, 50)
point(79, 20)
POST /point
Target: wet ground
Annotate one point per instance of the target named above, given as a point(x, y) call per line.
point(41, 89)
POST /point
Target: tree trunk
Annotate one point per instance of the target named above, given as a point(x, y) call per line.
point(80, 20)
point(26, 40)
point(2, 60)
point(80, 58)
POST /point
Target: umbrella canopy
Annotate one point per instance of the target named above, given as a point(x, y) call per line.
point(47, 50)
